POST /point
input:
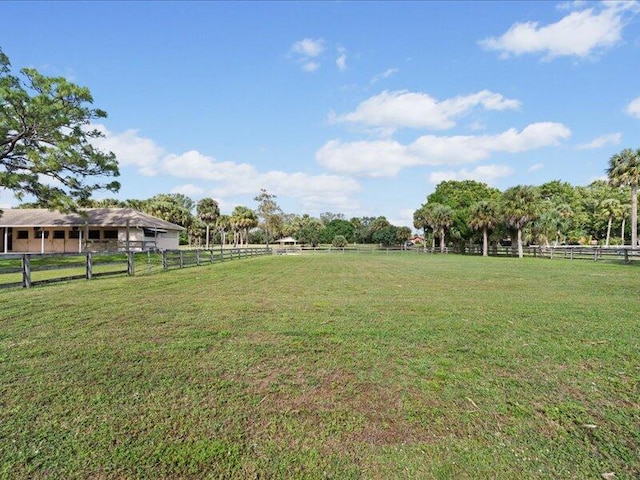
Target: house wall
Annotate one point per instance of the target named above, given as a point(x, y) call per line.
point(56, 240)
point(168, 241)
point(66, 239)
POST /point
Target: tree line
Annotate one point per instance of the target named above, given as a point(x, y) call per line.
point(206, 225)
point(462, 213)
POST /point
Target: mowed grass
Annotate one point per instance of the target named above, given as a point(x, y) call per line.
point(334, 365)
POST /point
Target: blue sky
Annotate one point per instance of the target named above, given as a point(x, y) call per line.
point(358, 108)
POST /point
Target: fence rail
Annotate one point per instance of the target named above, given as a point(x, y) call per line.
point(30, 269)
point(570, 252)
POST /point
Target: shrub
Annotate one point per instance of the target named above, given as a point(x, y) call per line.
point(339, 241)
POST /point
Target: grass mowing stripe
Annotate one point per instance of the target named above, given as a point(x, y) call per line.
point(347, 366)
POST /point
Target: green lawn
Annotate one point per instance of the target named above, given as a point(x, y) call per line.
point(332, 365)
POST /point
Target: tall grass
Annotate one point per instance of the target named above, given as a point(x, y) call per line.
point(343, 366)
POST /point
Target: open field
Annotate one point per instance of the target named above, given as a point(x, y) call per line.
point(340, 366)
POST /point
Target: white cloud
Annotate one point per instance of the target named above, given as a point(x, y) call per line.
point(190, 190)
point(130, 149)
point(571, 5)
point(193, 164)
point(341, 61)
point(535, 167)
point(243, 179)
point(308, 47)
point(404, 218)
point(384, 158)
point(477, 125)
point(310, 66)
point(386, 74)
point(482, 173)
point(393, 110)
point(580, 33)
point(633, 108)
point(601, 141)
point(227, 179)
point(306, 52)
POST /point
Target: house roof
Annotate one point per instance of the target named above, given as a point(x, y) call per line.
point(93, 217)
point(287, 240)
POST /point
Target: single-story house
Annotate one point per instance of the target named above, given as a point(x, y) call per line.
point(287, 241)
point(36, 230)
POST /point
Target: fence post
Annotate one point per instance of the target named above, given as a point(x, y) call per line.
point(26, 271)
point(181, 259)
point(165, 264)
point(211, 256)
point(626, 256)
point(131, 264)
point(197, 257)
point(89, 266)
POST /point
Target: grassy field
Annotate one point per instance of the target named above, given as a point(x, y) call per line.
point(338, 366)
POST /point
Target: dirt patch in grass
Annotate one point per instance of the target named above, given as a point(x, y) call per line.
point(335, 404)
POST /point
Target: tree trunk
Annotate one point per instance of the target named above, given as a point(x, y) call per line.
point(442, 247)
point(608, 232)
point(520, 252)
point(485, 242)
point(433, 242)
point(207, 237)
point(622, 230)
point(634, 216)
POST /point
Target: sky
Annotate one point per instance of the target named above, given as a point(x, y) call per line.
point(359, 108)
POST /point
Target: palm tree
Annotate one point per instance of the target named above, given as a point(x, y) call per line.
point(624, 169)
point(243, 219)
point(223, 224)
point(625, 209)
point(553, 220)
point(546, 225)
point(566, 215)
point(611, 209)
point(483, 216)
point(519, 209)
point(421, 220)
point(441, 221)
point(208, 212)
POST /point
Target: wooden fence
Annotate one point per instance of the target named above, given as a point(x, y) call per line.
point(29, 269)
point(570, 252)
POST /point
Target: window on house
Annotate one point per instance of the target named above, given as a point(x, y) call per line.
point(74, 234)
point(40, 232)
point(23, 235)
point(58, 234)
point(153, 232)
point(110, 234)
point(94, 234)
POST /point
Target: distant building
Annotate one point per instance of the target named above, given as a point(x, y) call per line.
point(35, 230)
